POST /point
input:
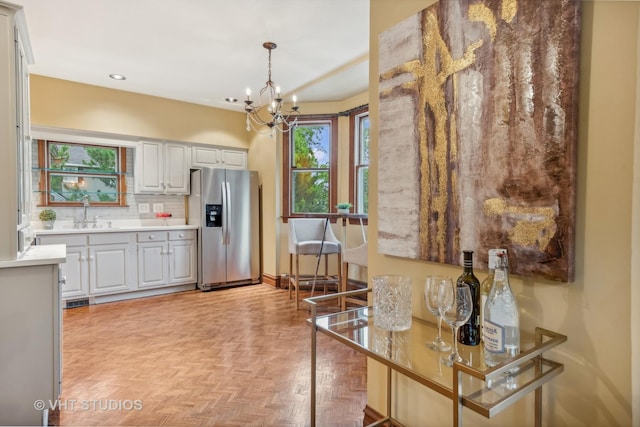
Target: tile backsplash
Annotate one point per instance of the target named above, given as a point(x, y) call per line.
point(170, 203)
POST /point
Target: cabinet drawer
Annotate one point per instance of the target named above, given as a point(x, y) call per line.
point(69, 240)
point(108, 238)
point(152, 236)
point(182, 235)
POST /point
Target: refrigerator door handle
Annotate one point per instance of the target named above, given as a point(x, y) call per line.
point(228, 214)
point(225, 218)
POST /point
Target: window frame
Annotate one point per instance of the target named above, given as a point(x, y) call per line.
point(355, 118)
point(45, 170)
point(287, 169)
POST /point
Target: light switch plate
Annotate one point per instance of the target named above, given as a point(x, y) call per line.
point(143, 207)
point(158, 207)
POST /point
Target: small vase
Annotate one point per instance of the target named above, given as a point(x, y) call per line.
point(343, 211)
point(47, 225)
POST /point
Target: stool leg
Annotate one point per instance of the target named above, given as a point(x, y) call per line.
point(339, 274)
point(297, 281)
point(326, 272)
point(343, 284)
point(290, 273)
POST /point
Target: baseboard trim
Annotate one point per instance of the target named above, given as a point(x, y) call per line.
point(371, 416)
point(271, 280)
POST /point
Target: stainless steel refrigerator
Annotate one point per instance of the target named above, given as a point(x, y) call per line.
point(225, 204)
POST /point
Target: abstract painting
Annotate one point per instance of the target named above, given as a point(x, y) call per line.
point(478, 132)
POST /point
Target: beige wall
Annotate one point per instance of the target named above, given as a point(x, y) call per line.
point(65, 104)
point(594, 311)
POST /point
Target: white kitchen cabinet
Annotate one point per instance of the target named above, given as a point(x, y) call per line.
point(182, 256)
point(106, 266)
point(109, 267)
point(161, 168)
point(166, 258)
point(153, 265)
point(75, 271)
point(233, 159)
point(30, 363)
point(205, 157)
point(97, 264)
point(212, 157)
point(111, 263)
point(15, 165)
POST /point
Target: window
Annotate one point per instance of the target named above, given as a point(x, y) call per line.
point(310, 166)
point(359, 173)
point(71, 171)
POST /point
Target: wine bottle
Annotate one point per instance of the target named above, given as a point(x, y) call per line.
point(469, 333)
point(485, 286)
point(501, 318)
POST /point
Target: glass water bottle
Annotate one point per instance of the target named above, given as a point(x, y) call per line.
point(501, 318)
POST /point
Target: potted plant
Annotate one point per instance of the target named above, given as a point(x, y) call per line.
point(343, 207)
point(48, 217)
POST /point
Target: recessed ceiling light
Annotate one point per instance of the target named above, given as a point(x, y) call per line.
point(117, 76)
point(231, 99)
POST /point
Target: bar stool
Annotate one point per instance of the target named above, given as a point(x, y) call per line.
point(312, 236)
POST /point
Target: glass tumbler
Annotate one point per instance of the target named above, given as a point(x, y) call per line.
point(392, 302)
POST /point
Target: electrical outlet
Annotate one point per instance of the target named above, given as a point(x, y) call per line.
point(143, 207)
point(158, 207)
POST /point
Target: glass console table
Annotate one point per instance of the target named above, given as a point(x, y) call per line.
point(475, 386)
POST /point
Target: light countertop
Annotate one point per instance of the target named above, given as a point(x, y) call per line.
point(115, 226)
point(38, 255)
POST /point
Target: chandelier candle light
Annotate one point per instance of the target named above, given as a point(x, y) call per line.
point(271, 97)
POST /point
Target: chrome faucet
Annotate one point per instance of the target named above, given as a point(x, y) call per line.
point(84, 221)
point(85, 205)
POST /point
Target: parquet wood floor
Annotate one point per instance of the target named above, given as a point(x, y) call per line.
point(233, 357)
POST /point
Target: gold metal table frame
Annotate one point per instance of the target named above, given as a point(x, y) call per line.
point(485, 390)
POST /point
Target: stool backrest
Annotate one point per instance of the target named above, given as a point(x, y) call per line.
point(309, 229)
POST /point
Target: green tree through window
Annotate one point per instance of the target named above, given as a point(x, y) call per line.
point(73, 171)
point(310, 166)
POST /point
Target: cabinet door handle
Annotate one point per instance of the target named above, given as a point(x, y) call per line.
point(83, 258)
point(91, 258)
point(170, 252)
point(152, 237)
point(181, 235)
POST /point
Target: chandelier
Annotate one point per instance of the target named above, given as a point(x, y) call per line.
point(270, 99)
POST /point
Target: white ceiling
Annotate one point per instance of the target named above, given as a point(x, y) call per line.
point(202, 51)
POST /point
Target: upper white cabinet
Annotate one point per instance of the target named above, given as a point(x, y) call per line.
point(210, 157)
point(15, 166)
point(162, 168)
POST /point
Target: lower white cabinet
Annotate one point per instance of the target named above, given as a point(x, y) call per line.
point(118, 262)
point(75, 272)
point(111, 263)
point(166, 258)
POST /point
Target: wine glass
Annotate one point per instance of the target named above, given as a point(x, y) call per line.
point(455, 314)
point(432, 297)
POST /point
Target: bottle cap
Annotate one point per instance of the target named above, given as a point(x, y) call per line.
point(494, 257)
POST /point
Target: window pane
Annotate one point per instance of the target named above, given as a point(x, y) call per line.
point(364, 140)
point(82, 158)
point(363, 190)
point(71, 188)
point(311, 146)
point(310, 192)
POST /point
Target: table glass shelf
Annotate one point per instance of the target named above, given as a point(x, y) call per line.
point(480, 388)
